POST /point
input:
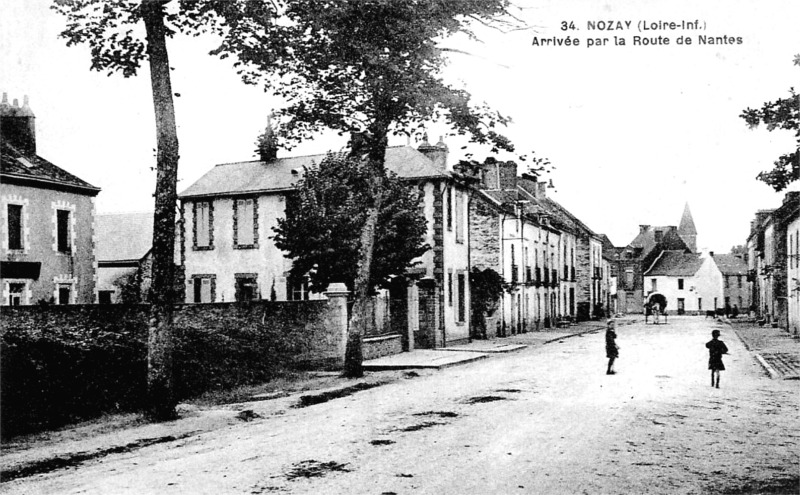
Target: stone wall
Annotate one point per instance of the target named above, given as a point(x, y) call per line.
point(65, 363)
point(385, 345)
point(484, 232)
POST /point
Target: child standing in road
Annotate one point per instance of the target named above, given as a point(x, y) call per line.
point(716, 348)
point(612, 349)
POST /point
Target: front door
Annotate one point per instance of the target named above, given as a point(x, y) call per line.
point(681, 306)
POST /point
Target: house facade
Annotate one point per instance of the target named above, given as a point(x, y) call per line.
point(550, 262)
point(691, 282)
point(770, 260)
point(228, 253)
point(793, 274)
point(512, 236)
point(735, 282)
point(48, 221)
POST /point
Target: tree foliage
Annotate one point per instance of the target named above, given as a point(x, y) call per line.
point(784, 114)
point(325, 216)
point(369, 65)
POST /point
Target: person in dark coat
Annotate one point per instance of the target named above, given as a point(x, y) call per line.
point(612, 349)
point(716, 348)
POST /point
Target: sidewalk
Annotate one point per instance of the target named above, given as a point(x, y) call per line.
point(775, 349)
point(481, 349)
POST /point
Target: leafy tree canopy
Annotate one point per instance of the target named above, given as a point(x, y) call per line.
point(783, 113)
point(325, 216)
point(369, 66)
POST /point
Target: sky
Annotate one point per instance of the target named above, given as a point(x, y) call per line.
point(634, 132)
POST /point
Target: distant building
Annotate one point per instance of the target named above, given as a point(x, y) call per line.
point(633, 260)
point(690, 282)
point(735, 281)
point(48, 223)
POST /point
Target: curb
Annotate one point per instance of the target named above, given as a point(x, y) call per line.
point(769, 369)
point(398, 367)
point(596, 329)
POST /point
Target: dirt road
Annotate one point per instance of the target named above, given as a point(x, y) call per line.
point(544, 420)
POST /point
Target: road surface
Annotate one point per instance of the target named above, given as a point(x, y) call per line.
point(543, 420)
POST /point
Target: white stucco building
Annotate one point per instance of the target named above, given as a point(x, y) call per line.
point(691, 282)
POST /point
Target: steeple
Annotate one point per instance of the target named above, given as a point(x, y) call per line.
point(687, 230)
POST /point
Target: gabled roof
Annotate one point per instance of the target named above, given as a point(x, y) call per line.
point(281, 174)
point(17, 166)
point(730, 264)
point(671, 240)
point(124, 236)
point(675, 264)
point(559, 215)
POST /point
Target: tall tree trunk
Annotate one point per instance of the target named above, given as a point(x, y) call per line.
point(161, 395)
point(375, 144)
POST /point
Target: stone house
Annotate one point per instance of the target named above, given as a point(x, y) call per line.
point(581, 293)
point(48, 221)
point(510, 234)
point(228, 253)
point(769, 260)
point(735, 282)
point(691, 282)
point(793, 273)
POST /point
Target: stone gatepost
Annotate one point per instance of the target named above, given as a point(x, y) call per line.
point(412, 313)
point(337, 317)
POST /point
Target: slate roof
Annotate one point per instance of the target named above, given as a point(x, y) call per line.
point(15, 164)
point(559, 216)
point(281, 174)
point(675, 264)
point(124, 236)
point(730, 264)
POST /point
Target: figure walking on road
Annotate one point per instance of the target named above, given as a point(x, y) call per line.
point(612, 349)
point(716, 348)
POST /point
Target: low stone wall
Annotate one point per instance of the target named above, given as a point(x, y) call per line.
point(65, 363)
point(383, 345)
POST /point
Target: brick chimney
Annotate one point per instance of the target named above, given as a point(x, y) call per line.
point(267, 143)
point(643, 228)
point(437, 153)
point(508, 175)
point(17, 125)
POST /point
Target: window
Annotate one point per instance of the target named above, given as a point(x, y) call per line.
point(202, 289)
point(459, 216)
point(727, 282)
point(629, 278)
point(296, 290)
point(462, 298)
point(16, 294)
point(680, 284)
point(653, 284)
point(450, 289)
point(15, 227)
point(203, 225)
point(63, 232)
point(246, 287)
point(64, 293)
point(739, 280)
point(244, 223)
point(104, 296)
point(699, 304)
